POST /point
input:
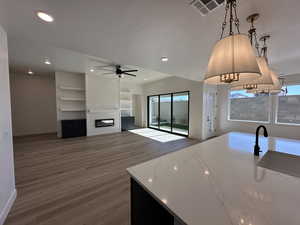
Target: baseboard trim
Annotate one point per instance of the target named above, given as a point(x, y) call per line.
point(7, 207)
point(34, 135)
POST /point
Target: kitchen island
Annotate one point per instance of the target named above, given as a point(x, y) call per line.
point(217, 182)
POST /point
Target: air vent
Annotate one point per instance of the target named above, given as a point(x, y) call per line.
point(205, 6)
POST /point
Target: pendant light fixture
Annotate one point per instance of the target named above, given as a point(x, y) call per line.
point(276, 87)
point(265, 79)
point(232, 58)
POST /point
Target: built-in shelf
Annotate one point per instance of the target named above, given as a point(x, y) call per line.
point(72, 110)
point(72, 99)
point(126, 109)
point(67, 88)
point(126, 101)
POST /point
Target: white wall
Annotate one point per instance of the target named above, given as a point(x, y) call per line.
point(103, 102)
point(224, 125)
point(175, 84)
point(33, 104)
point(7, 177)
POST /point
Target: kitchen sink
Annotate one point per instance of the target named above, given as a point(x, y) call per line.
point(281, 162)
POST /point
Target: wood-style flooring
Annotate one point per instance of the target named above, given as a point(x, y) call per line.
point(80, 181)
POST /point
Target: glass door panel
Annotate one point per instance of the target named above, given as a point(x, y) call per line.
point(165, 112)
point(154, 111)
point(181, 113)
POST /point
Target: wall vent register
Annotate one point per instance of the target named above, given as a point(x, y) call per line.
point(104, 123)
point(205, 6)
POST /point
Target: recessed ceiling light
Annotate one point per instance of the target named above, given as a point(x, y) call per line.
point(92, 70)
point(30, 72)
point(146, 79)
point(47, 61)
point(164, 59)
point(206, 172)
point(45, 17)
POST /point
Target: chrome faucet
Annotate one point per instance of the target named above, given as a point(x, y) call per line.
point(256, 147)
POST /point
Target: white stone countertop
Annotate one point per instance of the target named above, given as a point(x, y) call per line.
point(217, 182)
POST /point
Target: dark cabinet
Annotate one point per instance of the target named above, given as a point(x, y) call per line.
point(73, 128)
point(127, 123)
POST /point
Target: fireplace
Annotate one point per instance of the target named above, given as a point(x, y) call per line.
point(104, 123)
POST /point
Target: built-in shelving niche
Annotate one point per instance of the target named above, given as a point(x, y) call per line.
point(70, 97)
point(126, 103)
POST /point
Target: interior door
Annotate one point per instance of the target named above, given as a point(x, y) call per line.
point(210, 111)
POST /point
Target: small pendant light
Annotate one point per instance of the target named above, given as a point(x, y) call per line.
point(232, 58)
point(266, 78)
point(276, 87)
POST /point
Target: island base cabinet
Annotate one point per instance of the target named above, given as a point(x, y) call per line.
point(145, 210)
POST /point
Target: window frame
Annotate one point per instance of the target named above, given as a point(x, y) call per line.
point(249, 121)
point(277, 107)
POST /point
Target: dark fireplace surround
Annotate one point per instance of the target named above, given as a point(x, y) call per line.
point(104, 123)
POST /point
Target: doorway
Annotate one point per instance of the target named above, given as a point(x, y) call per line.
point(169, 112)
point(210, 111)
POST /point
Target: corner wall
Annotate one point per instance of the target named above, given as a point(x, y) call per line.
point(7, 177)
point(176, 84)
point(33, 104)
point(224, 125)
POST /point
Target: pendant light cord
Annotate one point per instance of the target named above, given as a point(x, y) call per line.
point(233, 20)
point(264, 49)
point(225, 20)
point(252, 35)
point(236, 19)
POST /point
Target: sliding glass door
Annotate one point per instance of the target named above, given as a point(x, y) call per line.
point(169, 112)
point(181, 113)
point(165, 112)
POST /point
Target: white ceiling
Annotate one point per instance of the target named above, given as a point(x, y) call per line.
point(139, 33)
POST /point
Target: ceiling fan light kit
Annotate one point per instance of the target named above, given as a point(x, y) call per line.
point(233, 57)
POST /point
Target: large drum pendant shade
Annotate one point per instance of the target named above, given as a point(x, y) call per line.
point(232, 60)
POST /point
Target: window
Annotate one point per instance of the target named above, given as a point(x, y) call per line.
point(288, 106)
point(249, 107)
point(169, 112)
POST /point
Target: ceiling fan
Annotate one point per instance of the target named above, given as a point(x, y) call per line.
point(118, 71)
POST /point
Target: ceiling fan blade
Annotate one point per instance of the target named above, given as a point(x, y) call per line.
point(105, 66)
point(129, 71)
point(99, 69)
point(107, 74)
point(129, 74)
